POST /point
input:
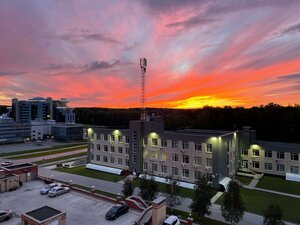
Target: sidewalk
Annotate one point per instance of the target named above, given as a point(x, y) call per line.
point(115, 188)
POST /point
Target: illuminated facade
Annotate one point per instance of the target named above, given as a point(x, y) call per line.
point(188, 154)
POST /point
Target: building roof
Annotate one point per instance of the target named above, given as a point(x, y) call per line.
point(43, 213)
point(17, 166)
point(279, 146)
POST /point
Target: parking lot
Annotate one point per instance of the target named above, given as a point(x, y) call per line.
point(81, 209)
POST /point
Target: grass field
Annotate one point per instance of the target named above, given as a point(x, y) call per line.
point(184, 192)
point(258, 201)
point(244, 180)
point(39, 150)
point(279, 184)
point(91, 173)
point(60, 158)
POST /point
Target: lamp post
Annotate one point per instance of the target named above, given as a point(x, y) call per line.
point(89, 133)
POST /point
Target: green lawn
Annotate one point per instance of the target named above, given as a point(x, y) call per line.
point(184, 215)
point(39, 150)
point(60, 158)
point(46, 153)
point(257, 201)
point(184, 192)
point(279, 184)
point(244, 180)
point(91, 173)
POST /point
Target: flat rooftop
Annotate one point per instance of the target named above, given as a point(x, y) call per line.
point(18, 166)
point(43, 213)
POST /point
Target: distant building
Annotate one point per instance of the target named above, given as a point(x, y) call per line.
point(43, 114)
point(13, 132)
point(188, 154)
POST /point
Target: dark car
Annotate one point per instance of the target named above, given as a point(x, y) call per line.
point(5, 215)
point(116, 211)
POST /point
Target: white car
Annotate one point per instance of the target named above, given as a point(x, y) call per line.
point(46, 189)
point(172, 220)
point(7, 163)
point(56, 191)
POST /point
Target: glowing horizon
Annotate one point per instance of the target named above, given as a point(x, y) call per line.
point(215, 53)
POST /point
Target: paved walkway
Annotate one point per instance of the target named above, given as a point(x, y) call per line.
point(253, 183)
point(112, 187)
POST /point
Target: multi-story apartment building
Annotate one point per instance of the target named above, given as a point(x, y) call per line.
point(188, 154)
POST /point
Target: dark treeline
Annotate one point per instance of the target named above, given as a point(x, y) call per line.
point(3, 109)
point(271, 122)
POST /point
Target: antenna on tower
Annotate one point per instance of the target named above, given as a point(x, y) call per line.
point(143, 65)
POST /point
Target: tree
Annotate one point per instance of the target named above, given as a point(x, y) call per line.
point(172, 192)
point(148, 188)
point(273, 215)
point(233, 206)
point(128, 188)
point(201, 200)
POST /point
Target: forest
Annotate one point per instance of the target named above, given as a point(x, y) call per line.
point(272, 122)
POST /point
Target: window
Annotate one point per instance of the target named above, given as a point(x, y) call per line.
point(92, 146)
point(134, 158)
point(127, 139)
point(145, 141)
point(120, 138)
point(145, 166)
point(268, 154)
point(112, 160)
point(98, 157)
point(105, 137)
point(185, 173)
point(120, 150)
point(198, 147)
point(255, 152)
point(280, 167)
point(295, 156)
point(198, 175)
point(209, 148)
point(268, 166)
point(98, 147)
point(209, 162)
point(185, 145)
point(112, 137)
point(154, 167)
point(112, 148)
point(198, 161)
point(280, 155)
point(154, 141)
point(174, 144)
point(175, 157)
point(164, 143)
point(105, 148)
point(295, 169)
point(120, 161)
point(98, 136)
point(164, 169)
point(126, 162)
point(255, 164)
point(244, 151)
point(92, 157)
point(127, 150)
point(185, 159)
point(104, 158)
point(174, 171)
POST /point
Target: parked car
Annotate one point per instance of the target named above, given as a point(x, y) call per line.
point(56, 191)
point(172, 220)
point(7, 163)
point(116, 211)
point(5, 215)
point(46, 189)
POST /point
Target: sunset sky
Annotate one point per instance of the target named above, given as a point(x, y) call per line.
point(216, 52)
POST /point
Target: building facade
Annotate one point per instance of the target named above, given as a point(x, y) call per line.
point(188, 154)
